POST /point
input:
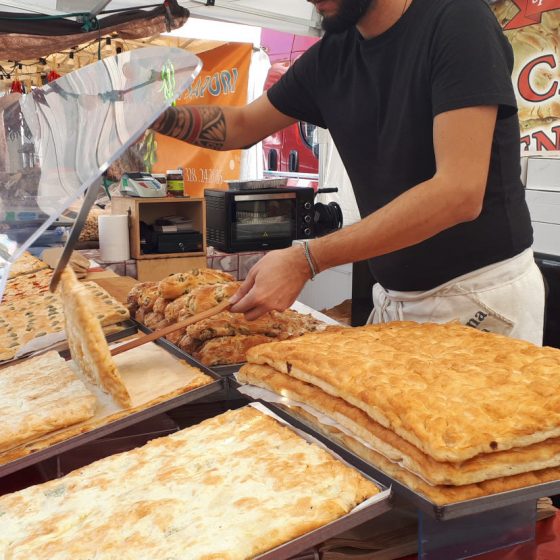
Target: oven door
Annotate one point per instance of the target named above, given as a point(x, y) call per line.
point(263, 221)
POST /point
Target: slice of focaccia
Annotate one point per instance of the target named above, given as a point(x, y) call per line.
point(39, 396)
point(87, 342)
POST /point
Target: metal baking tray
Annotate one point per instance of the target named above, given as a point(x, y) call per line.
point(345, 523)
point(191, 396)
point(309, 540)
point(226, 370)
point(441, 513)
point(254, 184)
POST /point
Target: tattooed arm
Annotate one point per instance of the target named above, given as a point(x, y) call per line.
point(222, 128)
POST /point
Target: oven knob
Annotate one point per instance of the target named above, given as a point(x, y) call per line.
point(307, 205)
point(307, 232)
point(307, 218)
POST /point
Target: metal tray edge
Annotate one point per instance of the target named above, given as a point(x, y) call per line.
point(440, 512)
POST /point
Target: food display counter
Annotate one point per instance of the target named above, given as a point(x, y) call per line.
point(353, 372)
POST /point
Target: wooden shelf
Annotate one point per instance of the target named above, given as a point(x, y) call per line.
point(154, 266)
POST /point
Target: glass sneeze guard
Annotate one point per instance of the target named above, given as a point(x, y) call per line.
point(59, 139)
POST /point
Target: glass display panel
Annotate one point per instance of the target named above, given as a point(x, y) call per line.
point(58, 140)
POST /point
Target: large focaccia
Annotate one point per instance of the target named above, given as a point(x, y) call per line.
point(452, 391)
point(397, 450)
point(38, 396)
point(86, 339)
point(440, 494)
point(230, 488)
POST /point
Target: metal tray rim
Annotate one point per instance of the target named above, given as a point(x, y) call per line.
point(336, 527)
point(439, 512)
point(190, 396)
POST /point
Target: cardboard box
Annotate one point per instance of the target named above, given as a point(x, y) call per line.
point(544, 207)
point(543, 172)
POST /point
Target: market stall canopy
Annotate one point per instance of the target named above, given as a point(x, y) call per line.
point(293, 16)
point(33, 30)
point(56, 141)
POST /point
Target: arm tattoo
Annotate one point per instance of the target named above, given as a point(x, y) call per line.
point(203, 126)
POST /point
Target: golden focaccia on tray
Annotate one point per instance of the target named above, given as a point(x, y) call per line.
point(39, 315)
point(437, 494)
point(217, 490)
point(27, 285)
point(451, 412)
point(38, 396)
point(450, 390)
point(478, 469)
point(26, 264)
point(87, 342)
point(178, 284)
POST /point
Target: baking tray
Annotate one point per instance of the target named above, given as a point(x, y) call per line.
point(35, 457)
point(333, 529)
point(441, 513)
point(226, 370)
point(345, 523)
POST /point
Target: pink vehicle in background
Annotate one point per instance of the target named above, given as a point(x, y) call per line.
point(293, 150)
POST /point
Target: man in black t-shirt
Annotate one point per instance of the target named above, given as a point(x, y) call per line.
point(418, 98)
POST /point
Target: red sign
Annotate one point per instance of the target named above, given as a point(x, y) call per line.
point(531, 11)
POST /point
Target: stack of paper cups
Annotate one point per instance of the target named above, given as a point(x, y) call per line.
point(113, 238)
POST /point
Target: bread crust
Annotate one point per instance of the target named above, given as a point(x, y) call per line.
point(203, 492)
point(452, 391)
point(38, 396)
point(87, 342)
point(397, 450)
point(439, 495)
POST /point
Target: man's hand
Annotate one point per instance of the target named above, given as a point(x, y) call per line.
point(273, 283)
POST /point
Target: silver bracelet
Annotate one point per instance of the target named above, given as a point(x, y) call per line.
point(309, 259)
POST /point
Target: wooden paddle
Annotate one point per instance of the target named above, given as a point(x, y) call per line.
point(223, 306)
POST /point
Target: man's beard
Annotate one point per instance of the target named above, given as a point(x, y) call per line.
point(349, 14)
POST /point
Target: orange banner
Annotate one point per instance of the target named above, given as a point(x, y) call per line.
point(224, 80)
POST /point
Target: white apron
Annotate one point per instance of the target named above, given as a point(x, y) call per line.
point(506, 298)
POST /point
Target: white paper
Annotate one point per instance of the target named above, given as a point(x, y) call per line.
point(50, 341)
point(113, 237)
point(269, 396)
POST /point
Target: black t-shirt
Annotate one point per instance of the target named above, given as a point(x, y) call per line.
point(378, 98)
